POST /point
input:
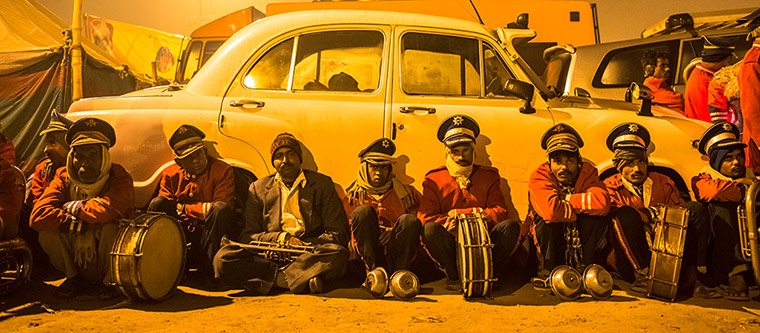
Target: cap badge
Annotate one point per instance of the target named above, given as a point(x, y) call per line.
point(633, 128)
point(386, 144)
point(91, 123)
point(727, 127)
point(458, 120)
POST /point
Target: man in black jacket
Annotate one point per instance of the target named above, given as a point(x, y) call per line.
point(292, 208)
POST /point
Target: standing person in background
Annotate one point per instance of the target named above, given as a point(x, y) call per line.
point(656, 66)
point(715, 55)
point(749, 88)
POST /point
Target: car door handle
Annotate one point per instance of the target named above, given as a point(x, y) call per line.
point(242, 102)
point(415, 109)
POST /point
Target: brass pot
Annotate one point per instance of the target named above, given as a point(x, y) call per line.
point(404, 284)
point(376, 282)
point(566, 283)
point(598, 282)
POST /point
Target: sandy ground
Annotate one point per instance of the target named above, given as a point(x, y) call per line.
point(520, 308)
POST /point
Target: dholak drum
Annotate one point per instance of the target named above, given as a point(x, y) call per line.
point(474, 254)
point(148, 257)
point(667, 252)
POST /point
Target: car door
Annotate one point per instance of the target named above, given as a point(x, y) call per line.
point(325, 86)
point(438, 74)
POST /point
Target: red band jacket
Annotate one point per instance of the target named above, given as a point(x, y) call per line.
point(11, 197)
point(441, 193)
point(664, 94)
point(749, 87)
point(198, 193)
point(711, 185)
point(43, 175)
point(116, 200)
point(388, 208)
point(546, 199)
point(696, 94)
point(657, 189)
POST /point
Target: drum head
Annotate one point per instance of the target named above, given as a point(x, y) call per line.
point(163, 257)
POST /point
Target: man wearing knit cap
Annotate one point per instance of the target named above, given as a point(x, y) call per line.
point(716, 53)
point(56, 150)
point(290, 207)
point(199, 190)
point(634, 191)
point(382, 211)
point(722, 186)
point(76, 215)
point(749, 88)
point(566, 198)
point(462, 185)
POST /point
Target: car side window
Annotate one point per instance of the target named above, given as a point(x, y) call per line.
point(339, 61)
point(193, 59)
point(439, 65)
point(496, 73)
point(272, 69)
point(622, 66)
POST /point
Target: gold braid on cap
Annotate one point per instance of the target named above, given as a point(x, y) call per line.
point(377, 158)
point(562, 141)
point(90, 137)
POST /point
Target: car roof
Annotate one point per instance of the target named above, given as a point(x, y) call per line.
point(213, 77)
point(702, 23)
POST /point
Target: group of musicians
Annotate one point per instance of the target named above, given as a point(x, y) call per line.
point(78, 195)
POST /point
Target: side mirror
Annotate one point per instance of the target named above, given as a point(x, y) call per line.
point(523, 91)
point(636, 91)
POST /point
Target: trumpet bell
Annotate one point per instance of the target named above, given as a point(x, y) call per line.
point(566, 283)
point(405, 284)
point(597, 282)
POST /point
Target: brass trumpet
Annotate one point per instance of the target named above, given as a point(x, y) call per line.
point(748, 230)
point(15, 264)
point(280, 253)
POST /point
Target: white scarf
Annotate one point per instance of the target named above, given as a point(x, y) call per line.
point(460, 173)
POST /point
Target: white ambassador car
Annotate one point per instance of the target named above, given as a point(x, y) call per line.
point(340, 79)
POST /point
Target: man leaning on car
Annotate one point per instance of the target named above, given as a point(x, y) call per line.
point(656, 66)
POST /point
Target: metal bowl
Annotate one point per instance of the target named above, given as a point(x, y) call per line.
point(566, 283)
point(376, 282)
point(405, 284)
point(598, 282)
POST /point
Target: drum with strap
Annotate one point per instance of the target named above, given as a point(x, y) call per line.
point(148, 257)
point(474, 253)
point(667, 252)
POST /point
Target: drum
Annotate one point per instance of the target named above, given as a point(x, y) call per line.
point(474, 254)
point(148, 257)
point(667, 252)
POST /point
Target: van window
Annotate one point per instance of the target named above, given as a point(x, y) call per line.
point(208, 51)
point(192, 60)
point(339, 61)
point(272, 69)
point(621, 67)
point(440, 65)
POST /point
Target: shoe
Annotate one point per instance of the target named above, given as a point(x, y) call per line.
point(71, 287)
point(640, 285)
point(540, 284)
point(106, 293)
point(454, 285)
point(316, 285)
point(280, 281)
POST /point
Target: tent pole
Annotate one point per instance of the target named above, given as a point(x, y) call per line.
point(76, 52)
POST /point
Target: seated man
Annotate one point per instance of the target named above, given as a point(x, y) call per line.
point(656, 67)
point(462, 184)
point(198, 190)
point(76, 215)
point(634, 191)
point(383, 212)
point(566, 197)
point(11, 198)
point(722, 187)
point(291, 207)
point(56, 150)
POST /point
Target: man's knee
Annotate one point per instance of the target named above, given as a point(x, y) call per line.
point(507, 227)
point(161, 204)
point(363, 214)
point(409, 223)
point(49, 240)
point(221, 207)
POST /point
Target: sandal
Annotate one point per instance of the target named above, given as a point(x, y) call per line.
point(737, 289)
point(703, 291)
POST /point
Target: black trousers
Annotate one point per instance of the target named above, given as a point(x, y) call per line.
point(442, 246)
point(205, 236)
point(237, 266)
point(630, 242)
point(726, 258)
point(551, 243)
point(400, 250)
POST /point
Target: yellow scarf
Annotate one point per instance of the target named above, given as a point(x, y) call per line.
point(460, 173)
point(359, 189)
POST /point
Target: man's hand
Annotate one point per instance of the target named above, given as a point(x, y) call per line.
point(293, 240)
point(385, 236)
point(747, 181)
point(451, 221)
point(73, 207)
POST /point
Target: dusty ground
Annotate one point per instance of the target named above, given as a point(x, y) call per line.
point(346, 308)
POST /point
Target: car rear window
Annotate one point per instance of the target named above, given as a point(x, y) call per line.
point(272, 69)
point(440, 65)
